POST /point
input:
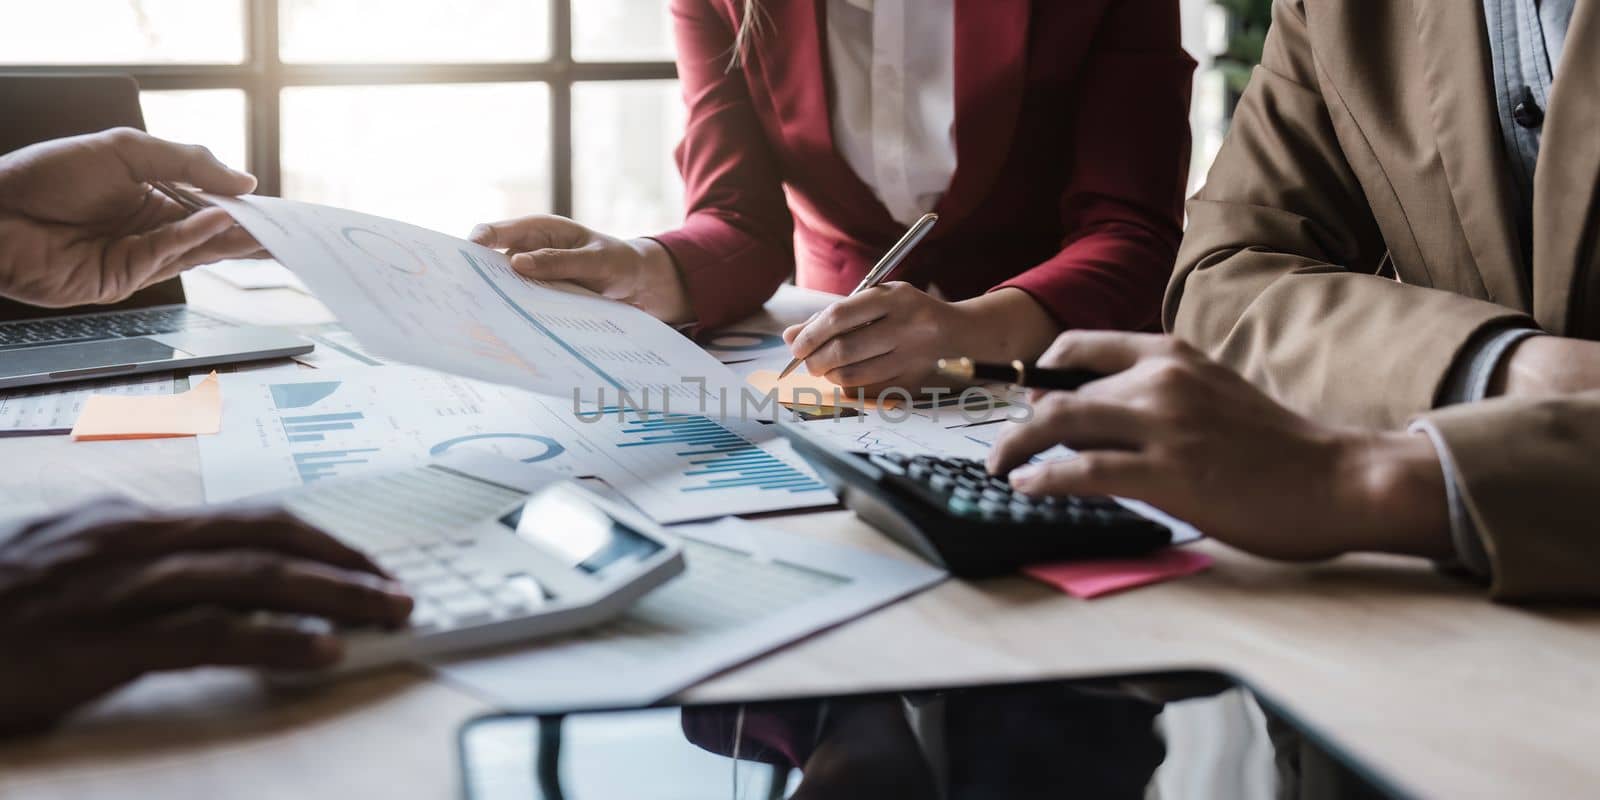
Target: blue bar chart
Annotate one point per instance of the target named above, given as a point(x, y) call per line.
point(714, 458)
point(315, 465)
point(314, 427)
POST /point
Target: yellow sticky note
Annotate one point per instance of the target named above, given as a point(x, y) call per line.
point(804, 389)
point(194, 412)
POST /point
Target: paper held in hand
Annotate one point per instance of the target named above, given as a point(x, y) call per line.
point(436, 301)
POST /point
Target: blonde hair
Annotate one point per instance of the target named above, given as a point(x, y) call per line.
point(751, 27)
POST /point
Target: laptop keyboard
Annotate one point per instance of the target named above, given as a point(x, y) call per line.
point(65, 330)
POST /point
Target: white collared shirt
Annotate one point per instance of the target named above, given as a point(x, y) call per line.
point(893, 98)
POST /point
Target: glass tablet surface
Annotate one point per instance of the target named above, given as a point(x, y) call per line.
point(1168, 735)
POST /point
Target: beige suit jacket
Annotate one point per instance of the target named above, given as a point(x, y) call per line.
point(1369, 134)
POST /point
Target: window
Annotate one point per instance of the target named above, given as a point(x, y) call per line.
point(438, 113)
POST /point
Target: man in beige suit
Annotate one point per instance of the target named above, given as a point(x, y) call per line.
point(1399, 248)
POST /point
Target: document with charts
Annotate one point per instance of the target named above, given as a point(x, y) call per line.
point(280, 432)
point(433, 300)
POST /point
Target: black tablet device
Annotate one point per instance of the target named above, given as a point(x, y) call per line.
point(1191, 734)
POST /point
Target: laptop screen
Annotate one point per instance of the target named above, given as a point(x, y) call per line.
point(36, 108)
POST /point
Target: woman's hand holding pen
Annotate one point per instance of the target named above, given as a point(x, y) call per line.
point(638, 272)
point(892, 335)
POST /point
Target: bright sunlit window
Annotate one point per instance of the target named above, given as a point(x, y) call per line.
point(438, 113)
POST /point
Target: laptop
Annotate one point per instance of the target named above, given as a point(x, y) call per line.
point(152, 331)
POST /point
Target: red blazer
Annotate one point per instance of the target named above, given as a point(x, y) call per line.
point(1072, 147)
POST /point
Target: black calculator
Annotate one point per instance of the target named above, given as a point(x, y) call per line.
point(952, 513)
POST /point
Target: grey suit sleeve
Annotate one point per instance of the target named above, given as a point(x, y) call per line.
point(1468, 382)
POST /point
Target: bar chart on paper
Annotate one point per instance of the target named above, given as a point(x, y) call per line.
point(679, 467)
point(278, 434)
point(717, 458)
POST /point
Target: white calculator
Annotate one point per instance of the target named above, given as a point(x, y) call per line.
point(493, 552)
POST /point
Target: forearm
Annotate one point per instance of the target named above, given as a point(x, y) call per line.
point(1003, 325)
point(661, 283)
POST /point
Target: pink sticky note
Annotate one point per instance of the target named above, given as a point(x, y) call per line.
point(1088, 579)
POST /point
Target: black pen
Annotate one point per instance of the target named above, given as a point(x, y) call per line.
point(1018, 373)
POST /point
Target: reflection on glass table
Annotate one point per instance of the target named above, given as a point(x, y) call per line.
point(123, 32)
point(624, 179)
point(1174, 735)
point(444, 157)
point(413, 31)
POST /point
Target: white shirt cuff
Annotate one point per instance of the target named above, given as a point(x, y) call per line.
point(1464, 535)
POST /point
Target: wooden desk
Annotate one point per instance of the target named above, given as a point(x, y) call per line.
point(1450, 695)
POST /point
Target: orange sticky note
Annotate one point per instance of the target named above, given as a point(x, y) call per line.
point(804, 389)
point(1095, 577)
point(194, 412)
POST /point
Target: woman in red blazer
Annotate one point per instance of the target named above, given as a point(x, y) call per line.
point(1051, 138)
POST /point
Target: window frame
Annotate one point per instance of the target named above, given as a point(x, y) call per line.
point(263, 76)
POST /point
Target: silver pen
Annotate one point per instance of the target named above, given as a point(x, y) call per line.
point(885, 266)
point(180, 195)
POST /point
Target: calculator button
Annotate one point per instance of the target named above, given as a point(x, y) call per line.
point(521, 591)
point(998, 496)
point(887, 464)
point(400, 558)
point(486, 581)
point(447, 587)
point(424, 616)
point(422, 574)
point(962, 507)
point(467, 609)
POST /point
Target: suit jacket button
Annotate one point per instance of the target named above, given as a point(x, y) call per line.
point(1528, 114)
